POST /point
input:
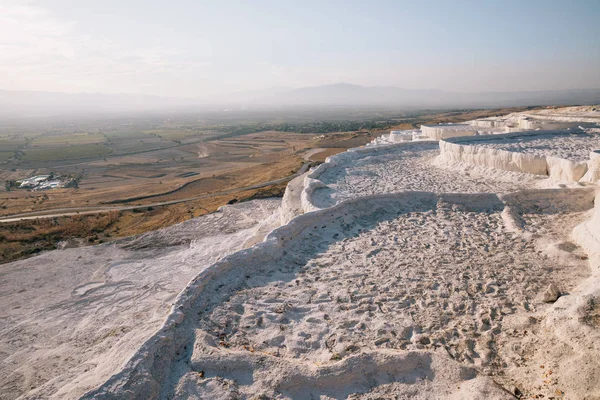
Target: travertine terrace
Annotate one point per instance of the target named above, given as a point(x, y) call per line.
point(74, 316)
point(574, 147)
point(410, 268)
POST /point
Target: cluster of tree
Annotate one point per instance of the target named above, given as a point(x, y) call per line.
point(312, 127)
point(9, 185)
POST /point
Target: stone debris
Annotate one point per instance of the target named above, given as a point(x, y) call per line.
point(551, 294)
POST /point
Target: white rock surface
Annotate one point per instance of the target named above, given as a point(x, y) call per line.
point(446, 131)
point(339, 289)
point(573, 146)
point(588, 236)
point(475, 155)
point(593, 173)
point(538, 153)
point(71, 318)
point(392, 169)
point(427, 295)
point(395, 137)
point(291, 203)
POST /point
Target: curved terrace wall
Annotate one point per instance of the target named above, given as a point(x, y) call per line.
point(312, 182)
point(395, 137)
point(438, 132)
point(291, 205)
point(465, 150)
point(593, 173)
point(587, 235)
point(564, 118)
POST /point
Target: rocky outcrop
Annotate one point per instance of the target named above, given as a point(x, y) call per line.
point(564, 170)
point(438, 132)
point(395, 137)
point(291, 203)
point(593, 173)
point(587, 235)
point(492, 158)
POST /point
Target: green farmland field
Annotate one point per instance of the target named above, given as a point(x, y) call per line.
point(65, 153)
point(6, 155)
point(68, 139)
point(11, 142)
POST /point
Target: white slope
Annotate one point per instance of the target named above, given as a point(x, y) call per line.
point(411, 294)
point(70, 318)
point(399, 167)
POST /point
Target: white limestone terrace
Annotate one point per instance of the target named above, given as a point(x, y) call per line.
point(476, 156)
point(590, 114)
point(564, 156)
point(545, 119)
point(522, 122)
point(445, 131)
point(593, 172)
point(558, 143)
point(395, 137)
point(412, 294)
point(400, 167)
point(494, 126)
point(549, 118)
point(410, 135)
point(573, 146)
point(71, 318)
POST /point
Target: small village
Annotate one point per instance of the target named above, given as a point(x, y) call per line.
point(44, 182)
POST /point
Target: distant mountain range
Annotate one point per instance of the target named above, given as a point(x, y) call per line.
point(22, 103)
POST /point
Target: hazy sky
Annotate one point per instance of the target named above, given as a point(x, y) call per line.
point(196, 48)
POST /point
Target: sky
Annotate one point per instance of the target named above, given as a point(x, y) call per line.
point(195, 48)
